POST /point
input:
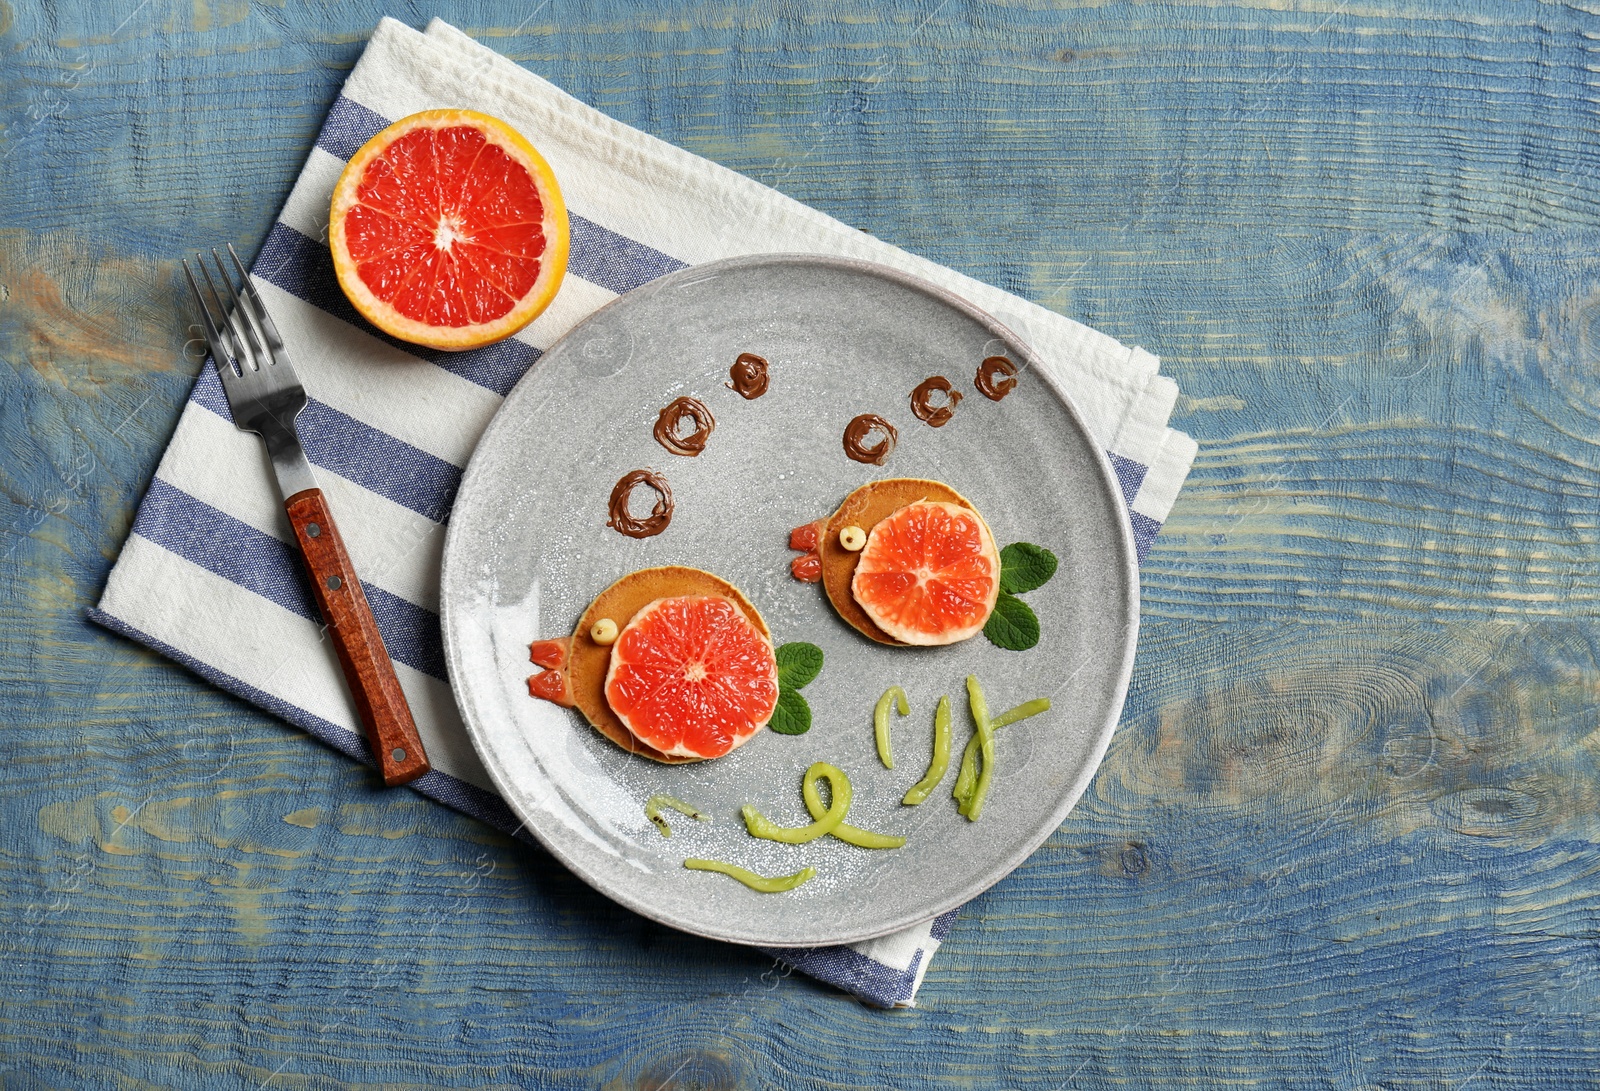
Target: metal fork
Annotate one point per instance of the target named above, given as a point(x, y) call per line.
point(266, 397)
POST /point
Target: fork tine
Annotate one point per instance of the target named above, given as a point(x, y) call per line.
point(239, 321)
point(241, 316)
point(219, 351)
point(258, 310)
point(238, 362)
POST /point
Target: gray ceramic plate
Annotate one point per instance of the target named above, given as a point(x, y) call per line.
point(528, 549)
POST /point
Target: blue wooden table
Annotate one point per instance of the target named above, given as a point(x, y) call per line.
point(1346, 834)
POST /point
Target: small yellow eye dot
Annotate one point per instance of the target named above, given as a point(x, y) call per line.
point(852, 538)
point(604, 631)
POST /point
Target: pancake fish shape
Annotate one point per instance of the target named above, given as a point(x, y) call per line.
point(671, 663)
point(905, 561)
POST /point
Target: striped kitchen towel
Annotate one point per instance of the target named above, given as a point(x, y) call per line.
point(209, 577)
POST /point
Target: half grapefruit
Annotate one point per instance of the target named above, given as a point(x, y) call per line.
point(448, 230)
point(691, 677)
point(929, 573)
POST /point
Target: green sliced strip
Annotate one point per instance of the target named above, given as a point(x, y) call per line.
point(827, 820)
point(854, 835)
point(896, 696)
point(979, 705)
point(967, 776)
point(940, 762)
point(759, 883)
point(652, 811)
point(1021, 712)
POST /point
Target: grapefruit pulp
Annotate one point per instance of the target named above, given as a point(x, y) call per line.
point(691, 676)
point(448, 230)
point(929, 573)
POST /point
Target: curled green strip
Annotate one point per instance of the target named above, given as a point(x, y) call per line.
point(827, 821)
point(939, 764)
point(967, 777)
point(652, 811)
point(880, 721)
point(759, 883)
point(854, 835)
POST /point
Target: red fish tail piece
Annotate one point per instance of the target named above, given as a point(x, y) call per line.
point(550, 654)
point(552, 685)
point(806, 540)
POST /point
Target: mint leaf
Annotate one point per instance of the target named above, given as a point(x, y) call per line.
point(1012, 626)
point(1025, 566)
point(798, 663)
point(793, 715)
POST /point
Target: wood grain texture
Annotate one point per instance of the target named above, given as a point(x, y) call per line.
point(1346, 835)
point(380, 702)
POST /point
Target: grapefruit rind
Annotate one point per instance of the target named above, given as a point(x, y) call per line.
point(866, 507)
point(553, 263)
point(915, 622)
point(588, 662)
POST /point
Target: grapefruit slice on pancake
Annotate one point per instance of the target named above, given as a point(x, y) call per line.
point(691, 674)
point(933, 575)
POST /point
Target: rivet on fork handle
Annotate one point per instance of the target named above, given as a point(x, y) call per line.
point(379, 700)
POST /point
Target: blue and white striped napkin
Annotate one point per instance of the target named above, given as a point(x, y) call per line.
point(208, 575)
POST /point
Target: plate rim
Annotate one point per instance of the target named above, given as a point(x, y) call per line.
point(1109, 483)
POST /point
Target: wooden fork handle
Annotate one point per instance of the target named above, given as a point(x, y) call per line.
point(379, 699)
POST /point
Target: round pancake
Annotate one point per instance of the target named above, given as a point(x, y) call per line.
point(588, 661)
point(866, 508)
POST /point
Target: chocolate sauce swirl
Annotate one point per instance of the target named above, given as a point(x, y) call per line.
point(625, 522)
point(936, 416)
point(863, 428)
point(748, 376)
point(670, 422)
point(986, 381)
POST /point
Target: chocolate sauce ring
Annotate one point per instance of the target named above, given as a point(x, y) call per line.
point(666, 430)
point(856, 433)
point(922, 401)
point(985, 379)
point(625, 522)
point(748, 376)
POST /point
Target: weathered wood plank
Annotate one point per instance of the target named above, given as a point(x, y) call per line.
point(1346, 835)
